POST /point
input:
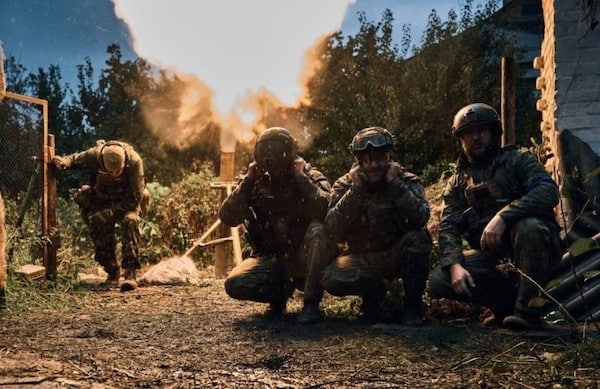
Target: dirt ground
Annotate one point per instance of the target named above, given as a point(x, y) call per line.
point(196, 337)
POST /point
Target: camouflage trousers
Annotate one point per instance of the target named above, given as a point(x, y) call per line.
point(535, 249)
point(103, 232)
point(363, 274)
point(272, 278)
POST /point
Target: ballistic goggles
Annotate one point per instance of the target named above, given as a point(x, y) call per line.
point(374, 140)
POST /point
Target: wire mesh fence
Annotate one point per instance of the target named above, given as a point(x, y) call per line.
point(23, 133)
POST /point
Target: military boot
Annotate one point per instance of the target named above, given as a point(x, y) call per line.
point(130, 282)
point(112, 281)
point(130, 274)
point(522, 321)
point(411, 316)
point(310, 313)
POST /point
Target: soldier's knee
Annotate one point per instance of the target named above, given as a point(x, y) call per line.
point(533, 231)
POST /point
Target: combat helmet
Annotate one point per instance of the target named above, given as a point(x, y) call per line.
point(476, 114)
point(275, 149)
point(113, 156)
point(372, 137)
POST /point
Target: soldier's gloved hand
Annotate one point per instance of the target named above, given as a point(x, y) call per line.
point(299, 166)
point(357, 175)
point(101, 217)
point(59, 162)
point(254, 170)
point(394, 169)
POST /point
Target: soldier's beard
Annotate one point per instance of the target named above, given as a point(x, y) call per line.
point(486, 156)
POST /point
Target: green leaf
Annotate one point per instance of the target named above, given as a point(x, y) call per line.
point(537, 302)
point(534, 142)
point(553, 283)
point(593, 173)
point(582, 246)
point(588, 275)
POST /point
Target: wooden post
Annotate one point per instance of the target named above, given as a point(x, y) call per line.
point(507, 98)
point(222, 251)
point(53, 241)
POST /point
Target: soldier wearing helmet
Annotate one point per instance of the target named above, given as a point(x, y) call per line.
point(117, 194)
point(377, 215)
point(281, 201)
point(501, 201)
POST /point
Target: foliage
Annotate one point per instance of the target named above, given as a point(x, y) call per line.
point(358, 85)
point(365, 80)
point(583, 355)
point(180, 215)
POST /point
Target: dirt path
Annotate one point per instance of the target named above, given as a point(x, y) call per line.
point(195, 337)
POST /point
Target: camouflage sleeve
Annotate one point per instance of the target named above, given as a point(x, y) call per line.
point(235, 209)
point(344, 206)
point(85, 160)
point(134, 171)
point(315, 191)
point(409, 200)
point(452, 220)
point(541, 192)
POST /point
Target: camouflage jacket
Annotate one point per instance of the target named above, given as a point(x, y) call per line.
point(373, 218)
point(125, 191)
point(276, 214)
point(515, 186)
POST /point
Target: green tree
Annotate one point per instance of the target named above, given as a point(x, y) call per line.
point(366, 81)
point(112, 108)
point(359, 85)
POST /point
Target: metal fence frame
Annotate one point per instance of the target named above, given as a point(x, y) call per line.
point(48, 189)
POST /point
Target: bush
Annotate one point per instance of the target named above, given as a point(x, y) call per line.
point(180, 215)
point(436, 172)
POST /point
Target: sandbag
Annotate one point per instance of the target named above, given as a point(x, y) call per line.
point(179, 270)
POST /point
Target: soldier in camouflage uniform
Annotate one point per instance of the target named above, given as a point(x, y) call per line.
point(117, 194)
point(501, 201)
point(377, 215)
point(281, 202)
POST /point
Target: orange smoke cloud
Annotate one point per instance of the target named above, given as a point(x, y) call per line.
point(179, 118)
point(239, 64)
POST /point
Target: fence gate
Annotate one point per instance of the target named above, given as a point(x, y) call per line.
point(26, 180)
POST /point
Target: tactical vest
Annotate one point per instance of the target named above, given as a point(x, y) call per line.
point(485, 198)
point(276, 225)
point(378, 226)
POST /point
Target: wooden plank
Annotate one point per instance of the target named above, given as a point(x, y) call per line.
point(31, 272)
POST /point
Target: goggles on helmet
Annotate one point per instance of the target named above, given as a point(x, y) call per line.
point(375, 141)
